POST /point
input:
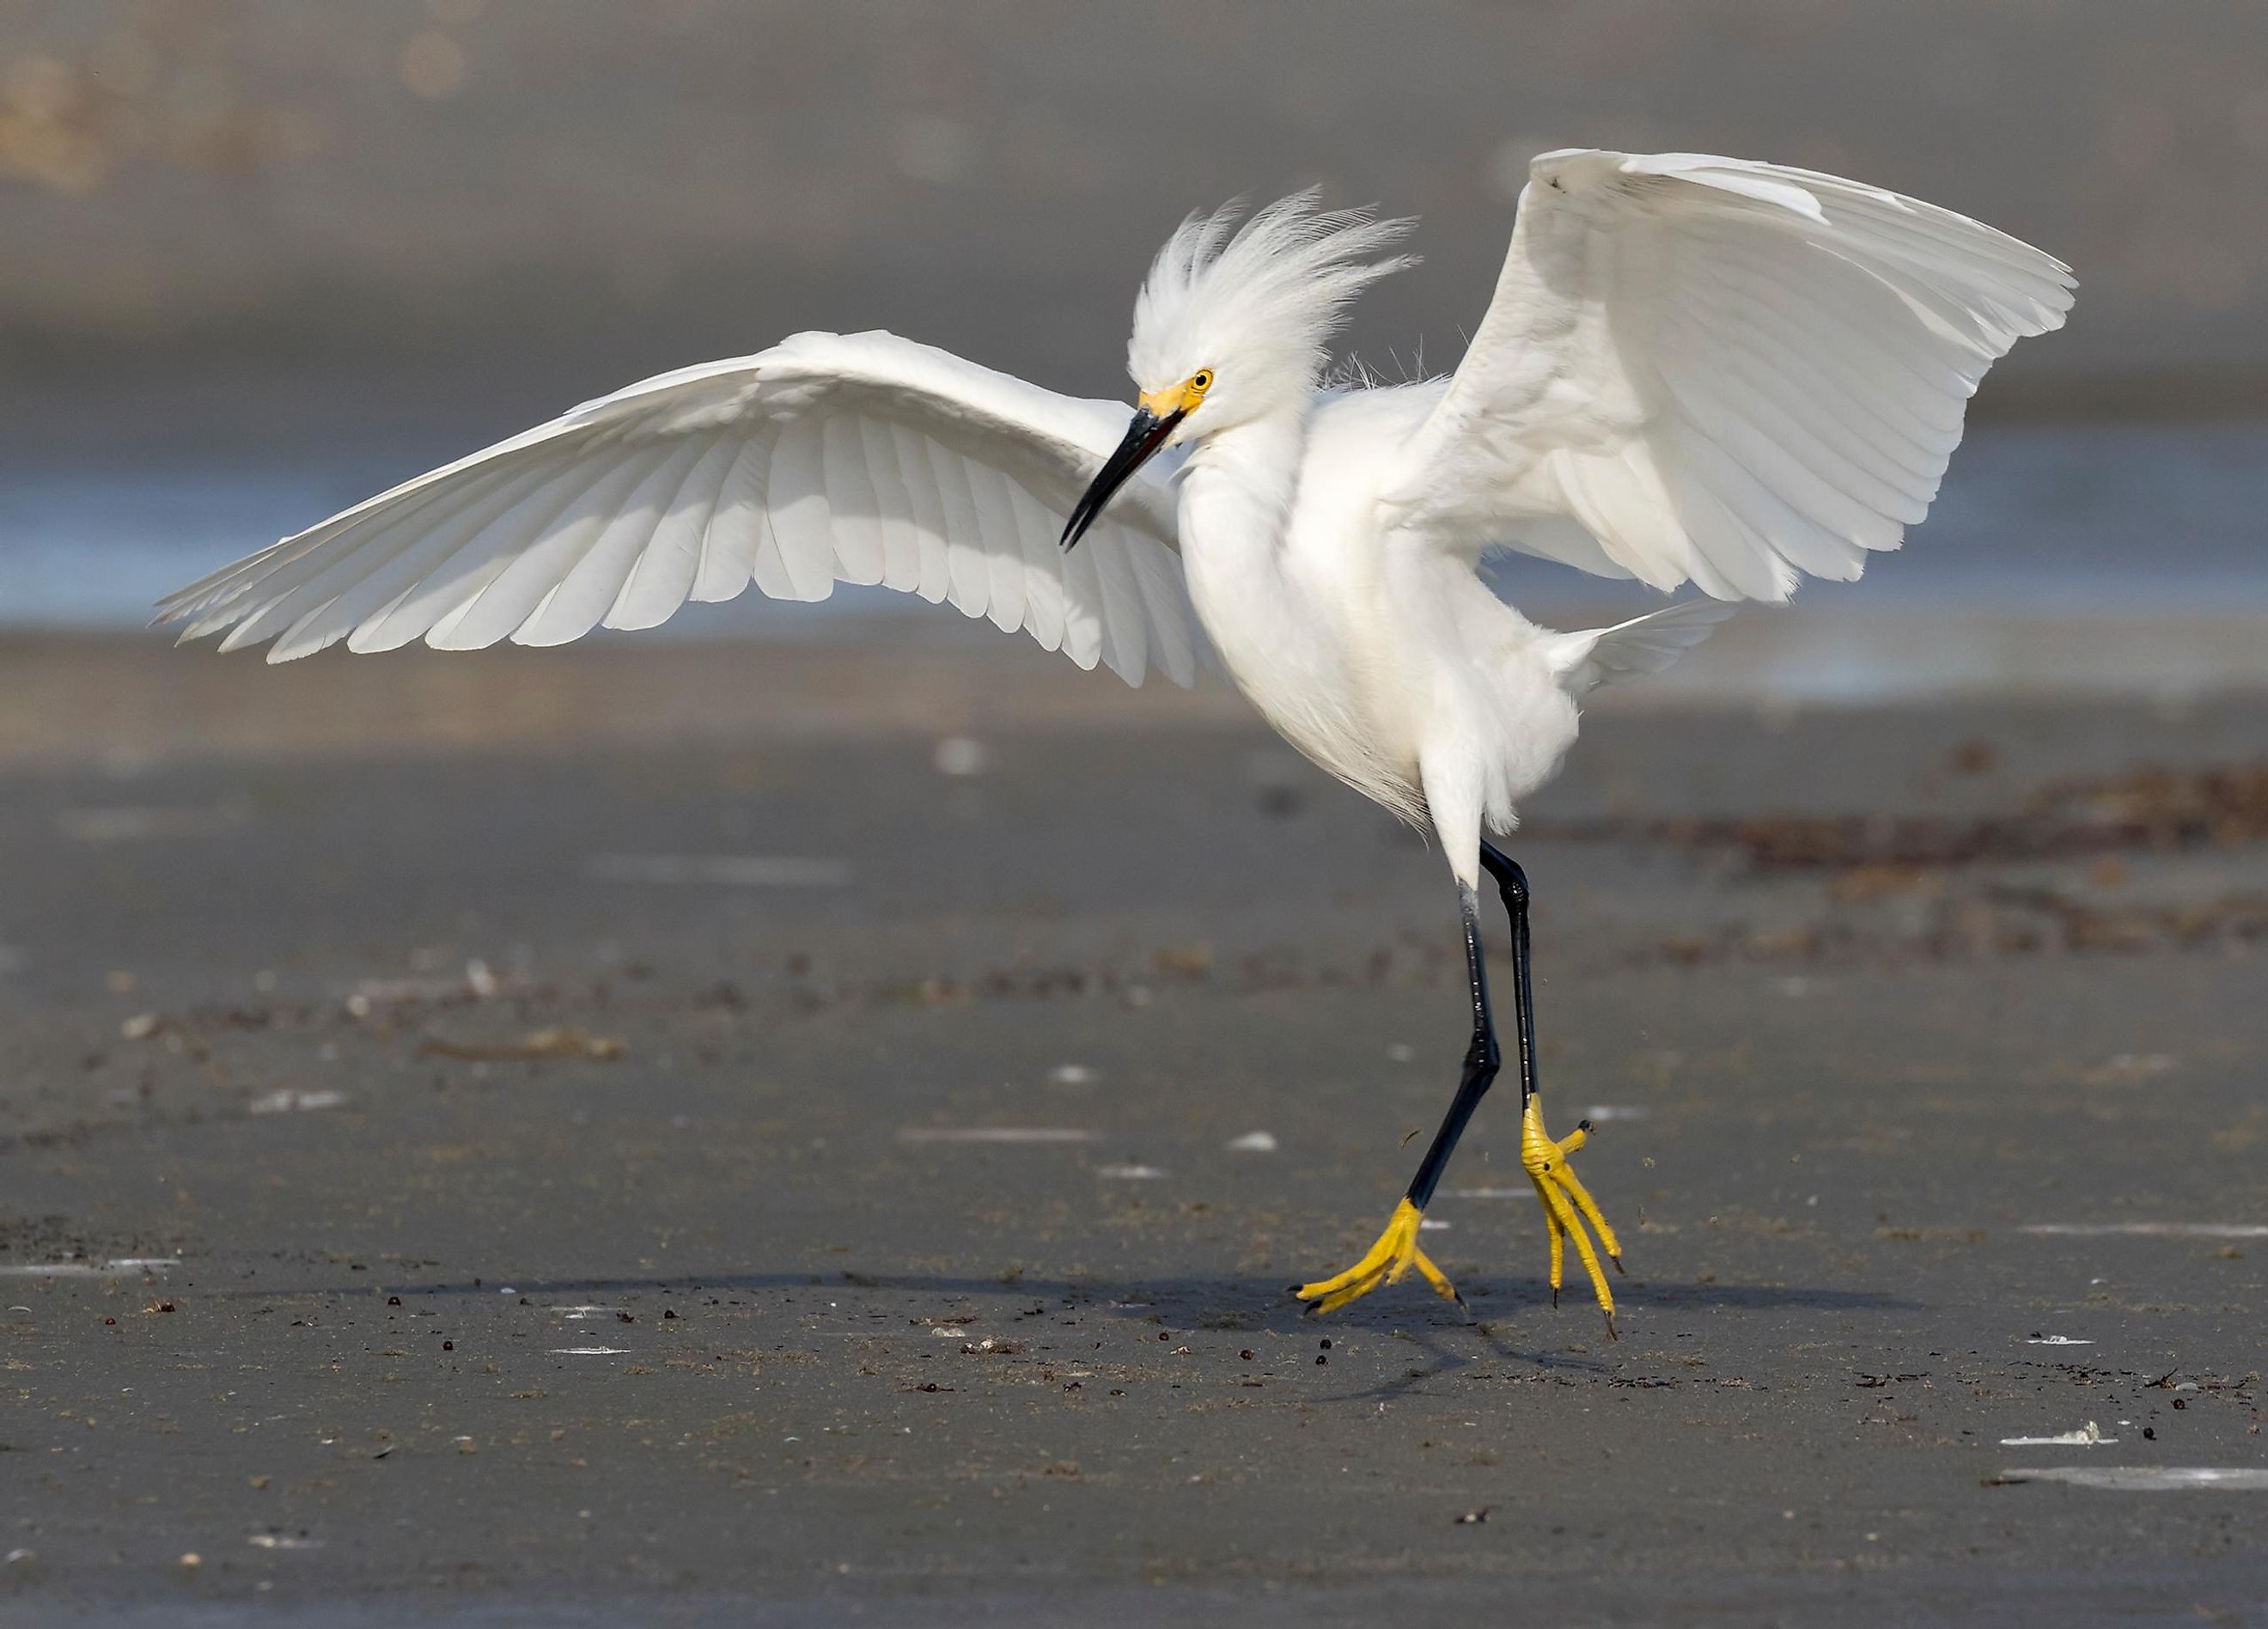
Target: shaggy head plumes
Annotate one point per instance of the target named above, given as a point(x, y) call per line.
point(1255, 304)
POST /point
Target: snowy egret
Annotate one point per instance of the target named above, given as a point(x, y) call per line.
point(1693, 369)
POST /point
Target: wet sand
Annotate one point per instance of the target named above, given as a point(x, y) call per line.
point(764, 1133)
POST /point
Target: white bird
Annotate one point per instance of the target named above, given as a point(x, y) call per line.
point(1694, 370)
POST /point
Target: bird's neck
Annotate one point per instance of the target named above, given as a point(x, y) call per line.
point(1236, 497)
point(1236, 502)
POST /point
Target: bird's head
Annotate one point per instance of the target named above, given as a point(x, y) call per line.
point(1235, 322)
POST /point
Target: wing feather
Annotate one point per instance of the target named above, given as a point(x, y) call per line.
point(862, 459)
point(851, 501)
point(662, 577)
point(575, 603)
point(894, 505)
point(1167, 612)
point(1768, 345)
point(1754, 432)
point(1004, 601)
point(1043, 565)
point(512, 584)
point(1723, 372)
point(967, 571)
point(1082, 591)
point(1126, 647)
point(340, 597)
point(439, 580)
point(931, 526)
point(301, 577)
point(795, 559)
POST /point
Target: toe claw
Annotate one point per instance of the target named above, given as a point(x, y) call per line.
point(1619, 1265)
point(1611, 1334)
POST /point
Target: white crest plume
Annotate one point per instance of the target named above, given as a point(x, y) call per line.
point(1257, 303)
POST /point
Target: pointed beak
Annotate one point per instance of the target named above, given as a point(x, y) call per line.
point(1144, 436)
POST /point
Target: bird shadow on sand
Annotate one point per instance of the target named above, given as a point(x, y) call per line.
point(1190, 1304)
point(1513, 1332)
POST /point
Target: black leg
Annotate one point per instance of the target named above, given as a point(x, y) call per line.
point(1481, 1061)
point(1512, 883)
point(1482, 1058)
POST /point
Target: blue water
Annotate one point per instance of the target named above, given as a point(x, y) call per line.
point(2054, 519)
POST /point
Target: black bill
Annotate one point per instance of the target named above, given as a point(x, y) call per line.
point(1144, 436)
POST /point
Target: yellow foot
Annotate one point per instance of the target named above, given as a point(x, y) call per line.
point(1394, 1254)
point(1567, 1205)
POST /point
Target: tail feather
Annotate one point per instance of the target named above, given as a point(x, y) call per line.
point(1645, 644)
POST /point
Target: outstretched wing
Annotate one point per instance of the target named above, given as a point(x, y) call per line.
point(855, 458)
point(1714, 370)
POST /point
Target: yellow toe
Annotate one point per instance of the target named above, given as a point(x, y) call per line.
point(1568, 1206)
point(1386, 1261)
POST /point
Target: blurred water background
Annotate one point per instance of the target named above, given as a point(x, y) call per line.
point(266, 256)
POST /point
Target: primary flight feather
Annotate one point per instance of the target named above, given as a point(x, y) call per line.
point(1694, 369)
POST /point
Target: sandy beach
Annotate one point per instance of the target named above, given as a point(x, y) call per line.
point(782, 1133)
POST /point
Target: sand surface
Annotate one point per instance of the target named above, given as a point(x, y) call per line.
point(798, 1164)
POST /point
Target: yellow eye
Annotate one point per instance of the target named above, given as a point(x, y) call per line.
point(1201, 381)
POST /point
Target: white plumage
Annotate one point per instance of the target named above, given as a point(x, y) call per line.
point(1726, 373)
point(1694, 370)
point(859, 458)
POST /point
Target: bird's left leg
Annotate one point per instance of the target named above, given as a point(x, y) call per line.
point(1567, 1204)
point(1396, 1251)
